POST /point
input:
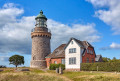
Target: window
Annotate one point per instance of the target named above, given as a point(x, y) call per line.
point(71, 42)
point(92, 60)
point(55, 62)
point(63, 61)
point(87, 51)
point(87, 60)
point(34, 58)
point(72, 60)
point(92, 52)
point(82, 50)
point(72, 50)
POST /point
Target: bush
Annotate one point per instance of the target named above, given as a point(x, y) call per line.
point(102, 66)
point(2, 66)
point(54, 66)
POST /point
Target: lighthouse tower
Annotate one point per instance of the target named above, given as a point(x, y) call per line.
point(40, 42)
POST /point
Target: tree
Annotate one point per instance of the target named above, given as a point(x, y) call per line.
point(115, 60)
point(16, 60)
point(105, 59)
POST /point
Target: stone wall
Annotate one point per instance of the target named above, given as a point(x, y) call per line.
point(38, 64)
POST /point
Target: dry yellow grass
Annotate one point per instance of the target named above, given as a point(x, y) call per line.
point(10, 74)
point(32, 75)
point(94, 76)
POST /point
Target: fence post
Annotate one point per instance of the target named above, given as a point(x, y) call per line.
point(60, 70)
point(97, 68)
point(57, 70)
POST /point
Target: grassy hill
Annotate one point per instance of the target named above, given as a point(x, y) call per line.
point(9, 74)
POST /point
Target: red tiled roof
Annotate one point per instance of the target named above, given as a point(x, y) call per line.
point(58, 52)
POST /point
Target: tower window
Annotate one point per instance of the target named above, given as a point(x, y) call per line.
point(34, 58)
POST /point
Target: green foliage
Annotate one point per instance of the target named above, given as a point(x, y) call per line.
point(16, 60)
point(105, 59)
point(54, 66)
point(115, 60)
point(103, 66)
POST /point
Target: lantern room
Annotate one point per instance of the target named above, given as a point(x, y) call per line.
point(41, 20)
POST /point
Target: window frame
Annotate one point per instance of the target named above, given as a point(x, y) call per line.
point(71, 42)
point(87, 60)
point(55, 62)
point(87, 51)
point(72, 50)
point(62, 61)
point(92, 60)
point(72, 60)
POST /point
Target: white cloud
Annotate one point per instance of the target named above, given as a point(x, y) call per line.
point(4, 58)
point(112, 46)
point(109, 12)
point(115, 46)
point(15, 32)
point(61, 33)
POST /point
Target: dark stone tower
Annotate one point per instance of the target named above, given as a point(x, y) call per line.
point(40, 42)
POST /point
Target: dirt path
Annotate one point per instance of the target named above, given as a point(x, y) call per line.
point(55, 75)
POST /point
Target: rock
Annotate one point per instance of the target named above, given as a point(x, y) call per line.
point(25, 70)
point(1, 70)
point(20, 69)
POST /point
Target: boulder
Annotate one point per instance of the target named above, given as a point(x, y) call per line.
point(1, 70)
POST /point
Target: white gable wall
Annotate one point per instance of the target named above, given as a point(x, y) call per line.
point(69, 55)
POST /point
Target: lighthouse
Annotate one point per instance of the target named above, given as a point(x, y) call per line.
point(40, 42)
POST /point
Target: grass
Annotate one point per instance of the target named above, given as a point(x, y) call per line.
point(9, 74)
point(92, 76)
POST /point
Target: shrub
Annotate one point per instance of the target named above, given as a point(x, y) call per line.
point(54, 66)
point(2, 66)
point(102, 66)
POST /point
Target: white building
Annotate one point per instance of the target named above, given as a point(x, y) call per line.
point(77, 52)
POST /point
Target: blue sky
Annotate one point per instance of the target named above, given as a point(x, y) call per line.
point(96, 22)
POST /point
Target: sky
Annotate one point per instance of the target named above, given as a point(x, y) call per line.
point(97, 22)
